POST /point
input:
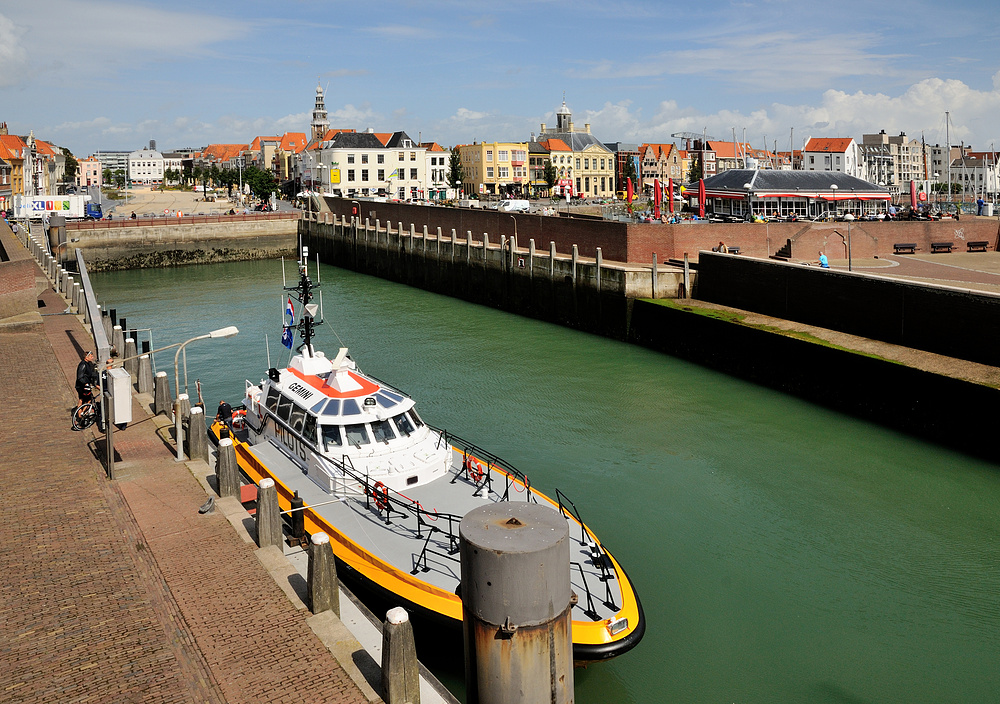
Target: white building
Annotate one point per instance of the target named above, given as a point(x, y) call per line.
point(368, 164)
point(145, 166)
point(840, 154)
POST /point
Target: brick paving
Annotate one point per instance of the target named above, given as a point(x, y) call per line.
point(121, 591)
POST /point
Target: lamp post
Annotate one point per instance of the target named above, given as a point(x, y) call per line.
point(178, 428)
point(319, 168)
point(833, 200)
point(749, 208)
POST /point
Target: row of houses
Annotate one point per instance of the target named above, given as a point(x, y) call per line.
point(27, 166)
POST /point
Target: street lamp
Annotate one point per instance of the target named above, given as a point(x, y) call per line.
point(230, 331)
point(319, 167)
point(749, 208)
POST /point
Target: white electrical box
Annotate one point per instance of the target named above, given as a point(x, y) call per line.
point(120, 386)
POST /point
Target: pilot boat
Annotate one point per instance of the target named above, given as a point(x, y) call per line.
point(353, 455)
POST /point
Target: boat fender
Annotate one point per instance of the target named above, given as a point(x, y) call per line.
point(239, 420)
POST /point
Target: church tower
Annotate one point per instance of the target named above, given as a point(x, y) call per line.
point(320, 125)
point(564, 118)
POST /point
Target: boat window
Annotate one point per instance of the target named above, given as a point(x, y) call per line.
point(356, 434)
point(272, 399)
point(403, 424)
point(394, 396)
point(284, 407)
point(296, 419)
point(384, 401)
point(351, 407)
point(331, 437)
point(309, 429)
point(416, 419)
point(332, 407)
point(382, 431)
point(318, 407)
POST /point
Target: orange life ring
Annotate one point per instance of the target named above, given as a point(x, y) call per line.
point(238, 420)
point(380, 492)
point(475, 469)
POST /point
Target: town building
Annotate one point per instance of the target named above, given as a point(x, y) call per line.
point(894, 160)
point(976, 176)
point(494, 168)
point(289, 146)
point(89, 172)
point(832, 154)
point(145, 167)
point(784, 194)
point(437, 170)
point(113, 161)
point(320, 124)
point(592, 164)
point(624, 152)
point(6, 191)
point(659, 162)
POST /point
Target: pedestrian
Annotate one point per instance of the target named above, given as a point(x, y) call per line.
point(225, 413)
point(722, 248)
point(824, 263)
point(979, 205)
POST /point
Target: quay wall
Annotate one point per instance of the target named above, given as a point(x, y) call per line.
point(918, 403)
point(943, 319)
point(580, 292)
point(17, 276)
point(143, 243)
point(638, 242)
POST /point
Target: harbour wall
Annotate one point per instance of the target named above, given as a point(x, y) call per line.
point(639, 242)
point(17, 277)
point(919, 403)
point(942, 319)
point(143, 243)
point(581, 292)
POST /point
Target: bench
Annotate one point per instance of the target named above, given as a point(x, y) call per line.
point(978, 246)
point(942, 247)
point(734, 250)
point(904, 248)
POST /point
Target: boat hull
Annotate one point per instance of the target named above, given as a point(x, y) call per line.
point(370, 578)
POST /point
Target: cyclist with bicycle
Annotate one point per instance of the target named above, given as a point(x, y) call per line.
point(86, 379)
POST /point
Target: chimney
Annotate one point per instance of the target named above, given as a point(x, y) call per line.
point(586, 127)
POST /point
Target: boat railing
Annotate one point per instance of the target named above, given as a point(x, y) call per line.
point(472, 451)
point(598, 555)
point(420, 562)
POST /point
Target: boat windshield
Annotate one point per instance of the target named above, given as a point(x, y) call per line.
point(351, 407)
point(403, 424)
point(357, 434)
point(331, 437)
point(382, 431)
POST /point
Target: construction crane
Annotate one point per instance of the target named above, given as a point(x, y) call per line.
point(688, 136)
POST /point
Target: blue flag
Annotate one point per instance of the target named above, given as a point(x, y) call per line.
point(286, 337)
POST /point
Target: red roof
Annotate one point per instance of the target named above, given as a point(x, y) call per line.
point(555, 145)
point(292, 141)
point(660, 151)
point(834, 145)
point(222, 152)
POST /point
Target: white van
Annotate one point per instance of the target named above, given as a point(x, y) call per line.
point(513, 206)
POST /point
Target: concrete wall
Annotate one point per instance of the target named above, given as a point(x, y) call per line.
point(17, 276)
point(910, 400)
point(143, 243)
point(946, 320)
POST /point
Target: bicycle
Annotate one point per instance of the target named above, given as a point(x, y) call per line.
point(87, 414)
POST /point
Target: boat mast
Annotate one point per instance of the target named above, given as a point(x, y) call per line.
point(304, 293)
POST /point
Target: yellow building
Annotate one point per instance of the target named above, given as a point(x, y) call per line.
point(589, 166)
point(494, 168)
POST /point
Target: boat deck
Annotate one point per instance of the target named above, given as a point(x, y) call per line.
point(429, 548)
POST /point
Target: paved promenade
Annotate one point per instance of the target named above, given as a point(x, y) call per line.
point(121, 591)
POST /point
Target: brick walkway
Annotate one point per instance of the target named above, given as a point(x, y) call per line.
point(121, 591)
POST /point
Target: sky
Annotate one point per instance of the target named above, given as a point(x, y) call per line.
point(108, 75)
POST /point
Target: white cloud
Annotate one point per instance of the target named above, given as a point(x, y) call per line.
point(12, 56)
point(465, 115)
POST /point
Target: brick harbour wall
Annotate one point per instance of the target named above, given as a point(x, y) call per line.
point(587, 234)
point(17, 276)
point(868, 239)
point(143, 243)
point(941, 319)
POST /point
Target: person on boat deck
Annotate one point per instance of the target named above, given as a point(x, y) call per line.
point(86, 377)
point(225, 413)
point(824, 263)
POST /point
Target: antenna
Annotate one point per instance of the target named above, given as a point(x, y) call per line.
point(267, 347)
point(282, 272)
point(318, 282)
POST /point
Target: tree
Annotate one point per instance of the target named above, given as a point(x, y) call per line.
point(628, 172)
point(455, 171)
point(72, 165)
point(550, 175)
point(106, 176)
point(262, 183)
point(695, 172)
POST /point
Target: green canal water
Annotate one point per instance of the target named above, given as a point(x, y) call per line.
point(783, 552)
